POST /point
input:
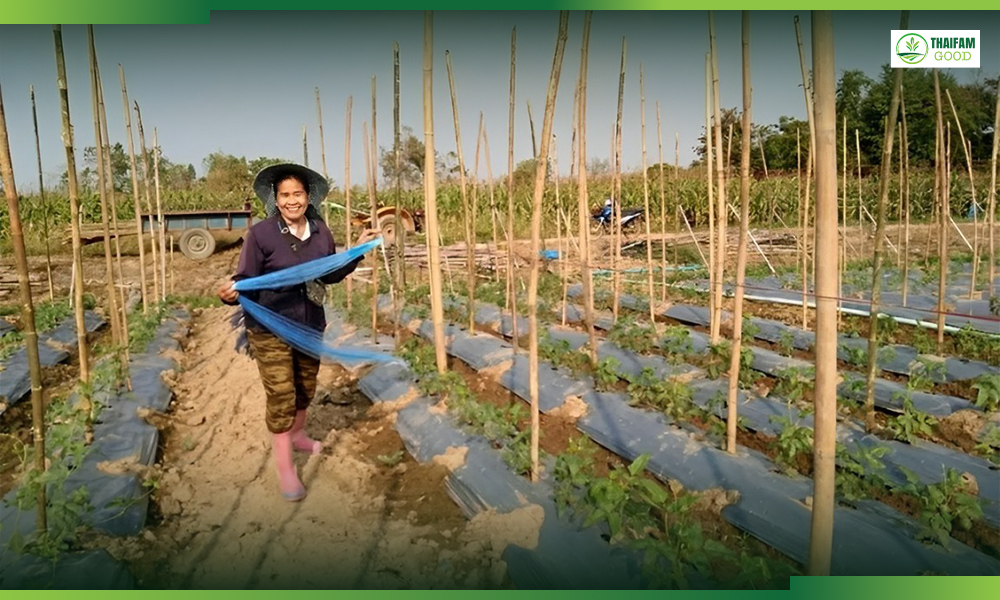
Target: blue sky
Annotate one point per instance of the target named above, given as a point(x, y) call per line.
point(244, 84)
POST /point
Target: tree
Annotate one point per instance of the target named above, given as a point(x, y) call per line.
point(412, 159)
point(121, 172)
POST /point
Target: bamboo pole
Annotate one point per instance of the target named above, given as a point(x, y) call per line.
point(824, 469)
point(563, 246)
point(159, 216)
point(493, 201)
point(373, 205)
point(430, 198)
point(135, 191)
point(861, 206)
point(171, 264)
point(116, 327)
point(741, 254)
point(400, 249)
point(109, 181)
point(941, 164)
point(322, 141)
point(511, 286)
point(157, 281)
point(347, 193)
point(802, 223)
point(678, 209)
point(877, 256)
point(712, 264)
point(28, 319)
point(616, 203)
point(371, 201)
point(531, 126)
point(41, 195)
point(583, 218)
point(541, 165)
point(899, 205)
point(972, 191)
point(645, 197)
point(663, 209)
point(903, 136)
point(721, 216)
point(992, 206)
point(807, 92)
point(76, 282)
point(470, 253)
point(305, 146)
point(843, 234)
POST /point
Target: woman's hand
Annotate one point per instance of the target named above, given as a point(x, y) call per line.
point(368, 235)
point(226, 292)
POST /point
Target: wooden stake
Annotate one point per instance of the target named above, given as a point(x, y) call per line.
point(430, 198)
point(843, 235)
point(531, 126)
point(41, 194)
point(116, 327)
point(645, 198)
point(824, 469)
point(157, 294)
point(802, 223)
point(906, 195)
point(678, 209)
point(159, 216)
point(305, 147)
point(470, 254)
point(992, 206)
point(347, 193)
point(511, 286)
point(28, 319)
point(883, 197)
point(616, 204)
point(541, 168)
point(942, 166)
point(583, 212)
point(494, 211)
point(732, 416)
point(720, 175)
point(372, 162)
point(135, 191)
point(322, 141)
point(374, 220)
point(83, 349)
point(663, 210)
point(712, 263)
point(861, 205)
point(972, 191)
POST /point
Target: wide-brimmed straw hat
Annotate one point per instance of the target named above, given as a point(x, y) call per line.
point(263, 184)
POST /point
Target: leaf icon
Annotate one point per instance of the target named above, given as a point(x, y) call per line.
point(912, 44)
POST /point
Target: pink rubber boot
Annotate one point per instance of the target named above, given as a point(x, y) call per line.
point(288, 480)
point(300, 440)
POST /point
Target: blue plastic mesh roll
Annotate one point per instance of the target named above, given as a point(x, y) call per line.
point(296, 335)
point(307, 271)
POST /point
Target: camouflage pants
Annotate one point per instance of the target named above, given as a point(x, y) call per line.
point(289, 378)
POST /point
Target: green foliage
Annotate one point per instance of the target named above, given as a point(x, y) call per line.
point(791, 442)
point(671, 396)
point(921, 341)
point(886, 329)
point(926, 373)
point(989, 445)
point(786, 342)
point(633, 335)
point(794, 381)
point(9, 343)
point(987, 388)
point(194, 301)
point(606, 374)
point(944, 505)
point(859, 472)
point(573, 472)
point(856, 355)
point(676, 343)
point(749, 330)
point(970, 343)
point(911, 424)
point(559, 354)
point(142, 327)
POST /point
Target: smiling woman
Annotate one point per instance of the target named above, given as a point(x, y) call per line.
point(292, 234)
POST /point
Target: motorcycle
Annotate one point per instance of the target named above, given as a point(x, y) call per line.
point(602, 220)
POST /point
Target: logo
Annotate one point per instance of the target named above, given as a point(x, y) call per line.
point(911, 48)
point(934, 48)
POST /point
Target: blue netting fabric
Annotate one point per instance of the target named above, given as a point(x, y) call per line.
point(293, 333)
point(308, 271)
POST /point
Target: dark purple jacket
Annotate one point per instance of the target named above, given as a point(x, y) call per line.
point(267, 249)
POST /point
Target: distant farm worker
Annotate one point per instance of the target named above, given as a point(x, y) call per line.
point(292, 234)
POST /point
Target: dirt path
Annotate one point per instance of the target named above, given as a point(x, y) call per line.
point(364, 523)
